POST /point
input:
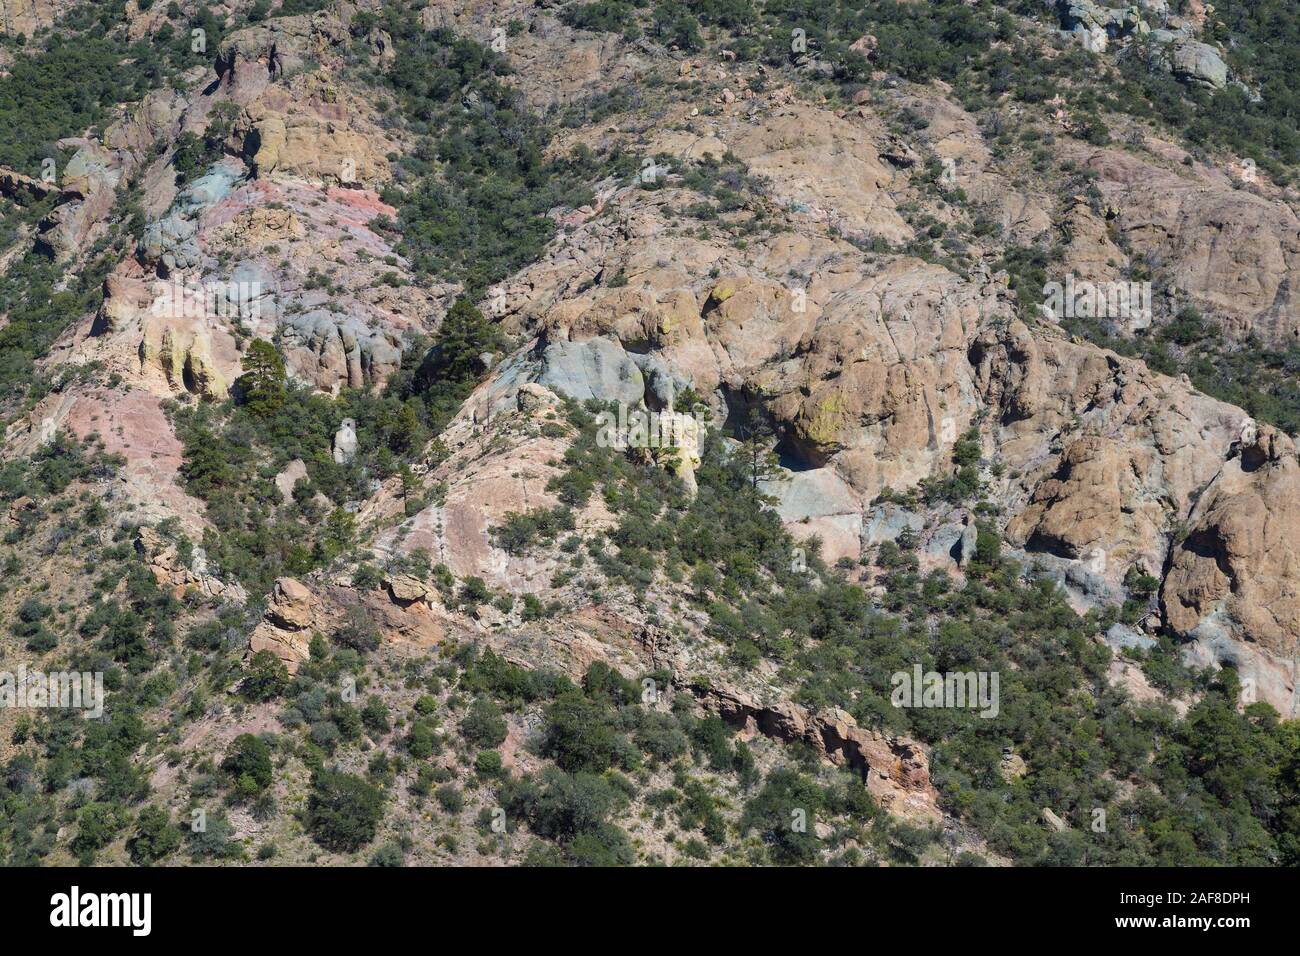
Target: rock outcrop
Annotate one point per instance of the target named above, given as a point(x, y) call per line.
point(164, 560)
point(22, 188)
point(287, 627)
point(813, 300)
point(1227, 251)
point(896, 769)
point(1199, 64)
point(407, 589)
point(25, 17)
point(1187, 58)
point(1233, 585)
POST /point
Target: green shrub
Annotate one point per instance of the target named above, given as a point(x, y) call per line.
point(783, 813)
point(450, 798)
point(488, 763)
point(483, 726)
point(156, 837)
point(248, 765)
point(343, 811)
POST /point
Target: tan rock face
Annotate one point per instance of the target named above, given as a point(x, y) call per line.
point(407, 589)
point(752, 321)
point(871, 371)
point(27, 16)
point(1227, 249)
point(551, 73)
point(90, 179)
point(1092, 254)
point(287, 627)
point(1238, 570)
point(88, 184)
point(261, 226)
point(1110, 456)
point(162, 335)
point(182, 351)
point(1091, 497)
point(157, 116)
point(882, 383)
point(315, 149)
point(301, 122)
point(277, 49)
point(826, 166)
point(896, 768)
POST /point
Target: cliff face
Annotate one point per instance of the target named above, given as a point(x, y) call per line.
point(25, 17)
point(810, 290)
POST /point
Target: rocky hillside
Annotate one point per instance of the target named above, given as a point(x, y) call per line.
point(559, 433)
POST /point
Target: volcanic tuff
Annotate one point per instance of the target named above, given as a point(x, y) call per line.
point(871, 361)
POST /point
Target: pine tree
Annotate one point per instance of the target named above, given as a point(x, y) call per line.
point(452, 368)
point(757, 448)
point(263, 382)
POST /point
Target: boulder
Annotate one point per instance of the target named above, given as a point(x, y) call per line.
point(287, 627)
point(1053, 821)
point(942, 547)
point(407, 589)
point(21, 506)
point(598, 368)
point(293, 473)
point(292, 605)
point(1199, 64)
point(1121, 637)
point(533, 398)
point(966, 546)
point(345, 442)
point(1013, 765)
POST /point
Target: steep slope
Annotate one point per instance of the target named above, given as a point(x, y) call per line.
point(305, 349)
